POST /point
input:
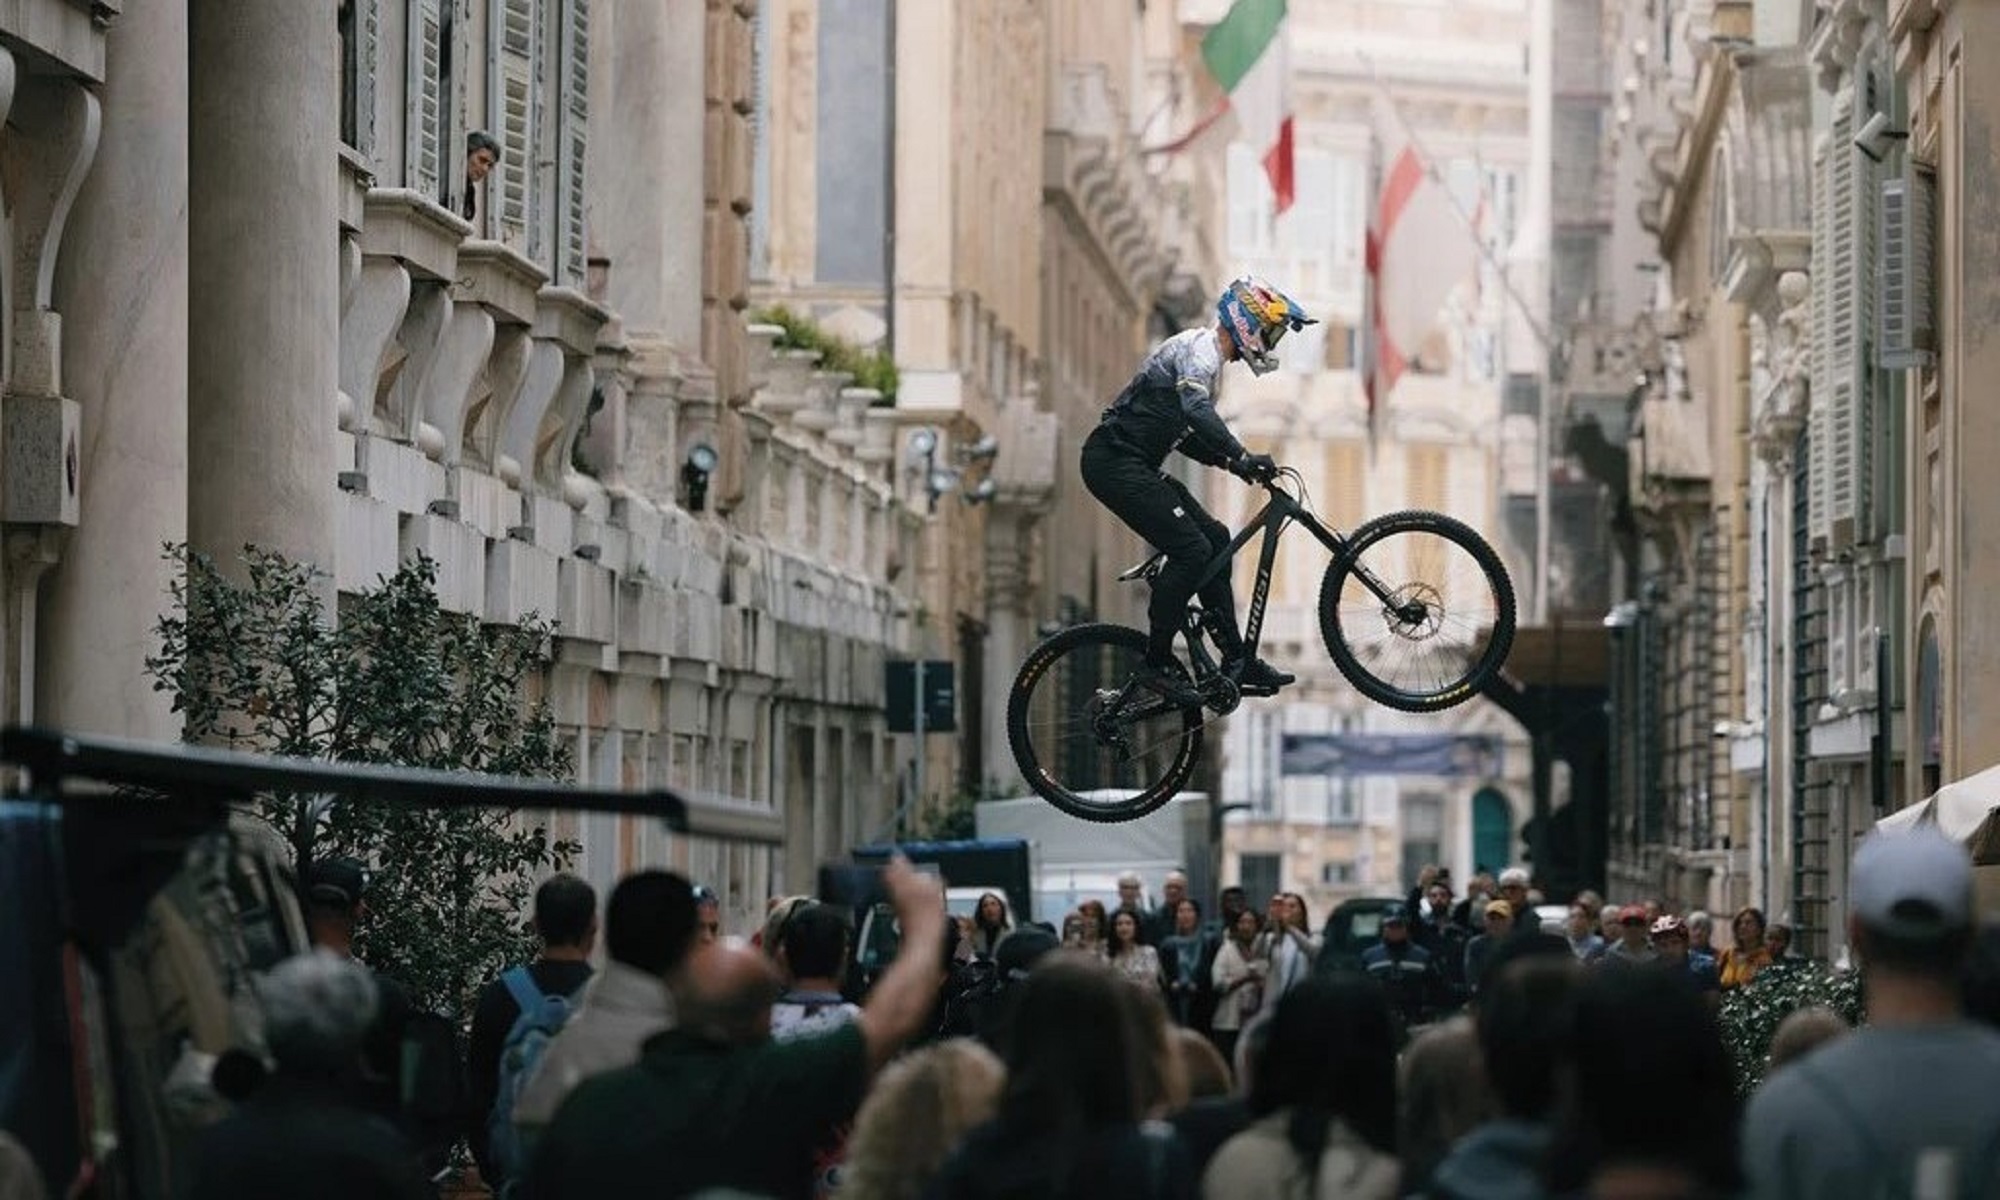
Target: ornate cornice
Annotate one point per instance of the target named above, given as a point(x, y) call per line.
point(1838, 40)
point(1093, 175)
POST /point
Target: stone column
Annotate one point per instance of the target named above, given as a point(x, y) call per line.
point(121, 284)
point(264, 278)
point(647, 118)
point(1009, 550)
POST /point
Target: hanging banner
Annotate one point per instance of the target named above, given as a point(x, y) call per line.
point(1389, 754)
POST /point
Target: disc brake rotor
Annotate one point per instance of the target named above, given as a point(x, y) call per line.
point(1415, 612)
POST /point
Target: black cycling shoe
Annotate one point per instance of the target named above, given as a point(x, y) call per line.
point(1171, 684)
point(1255, 673)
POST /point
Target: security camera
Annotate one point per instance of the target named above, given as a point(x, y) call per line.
point(1875, 135)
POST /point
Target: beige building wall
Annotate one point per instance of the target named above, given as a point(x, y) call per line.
point(1953, 104)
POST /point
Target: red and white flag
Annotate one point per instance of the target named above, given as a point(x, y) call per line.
point(1420, 247)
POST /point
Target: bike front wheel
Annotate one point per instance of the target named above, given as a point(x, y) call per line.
point(1417, 611)
point(1089, 736)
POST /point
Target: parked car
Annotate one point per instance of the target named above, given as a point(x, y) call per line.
point(1352, 927)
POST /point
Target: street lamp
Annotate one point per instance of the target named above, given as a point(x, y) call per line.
point(700, 464)
point(939, 479)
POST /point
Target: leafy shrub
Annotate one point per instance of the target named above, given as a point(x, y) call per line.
point(1751, 1014)
point(870, 368)
point(255, 663)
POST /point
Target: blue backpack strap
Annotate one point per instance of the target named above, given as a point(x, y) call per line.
point(522, 986)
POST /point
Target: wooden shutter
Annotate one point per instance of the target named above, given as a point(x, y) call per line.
point(1849, 190)
point(1428, 479)
point(1906, 301)
point(367, 49)
point(424, 162)
point(572, 247)
point(1345, 485)
point(512, 104)
point(1819, 426)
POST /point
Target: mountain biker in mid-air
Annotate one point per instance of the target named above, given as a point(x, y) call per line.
point(1170, 405)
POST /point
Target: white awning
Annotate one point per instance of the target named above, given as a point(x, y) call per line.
point(1964, 811)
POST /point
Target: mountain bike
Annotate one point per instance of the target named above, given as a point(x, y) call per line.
point(1416, 610)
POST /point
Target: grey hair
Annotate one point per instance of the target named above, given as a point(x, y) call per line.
point(1512, 876)
point(317, 1007)
point(1700, 920)
point(479, 140)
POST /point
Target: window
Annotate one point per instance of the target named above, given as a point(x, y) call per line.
point(1250, 202)
point(358, 30)
point(1347, 226)
point(1423, 832)
point(1344, 488)
point(1306, 230)
point(1343, 801)
point(1336, 874)
point(1428, 477)
point(739, 769)
point(1258, 876)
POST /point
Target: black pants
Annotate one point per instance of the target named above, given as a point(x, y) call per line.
point(1160, 509)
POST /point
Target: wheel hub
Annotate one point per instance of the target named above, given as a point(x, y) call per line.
point(1415, 612)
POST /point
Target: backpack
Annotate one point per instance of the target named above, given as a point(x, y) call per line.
point(542, 1017)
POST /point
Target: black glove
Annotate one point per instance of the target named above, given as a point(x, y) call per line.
point(1256, 468)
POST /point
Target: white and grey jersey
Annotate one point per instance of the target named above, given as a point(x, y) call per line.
point(1170, 403)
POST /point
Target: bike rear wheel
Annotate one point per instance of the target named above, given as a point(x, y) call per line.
point(1088, 737)
point(1445, 626)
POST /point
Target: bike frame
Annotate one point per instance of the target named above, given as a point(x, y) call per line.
point(1270, 521)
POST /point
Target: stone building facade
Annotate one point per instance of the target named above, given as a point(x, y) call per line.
point(1013, 255)
point(293, 320)
point(1810, 530)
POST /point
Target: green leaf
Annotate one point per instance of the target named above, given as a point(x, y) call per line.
point(253, 659)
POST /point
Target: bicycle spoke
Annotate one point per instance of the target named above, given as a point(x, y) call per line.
point(1441, 622)
point(1089, 736)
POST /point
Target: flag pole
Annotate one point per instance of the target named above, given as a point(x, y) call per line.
point(1368, 336)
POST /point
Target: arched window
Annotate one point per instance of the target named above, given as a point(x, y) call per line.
point(1492, 830)
point(1721, 212)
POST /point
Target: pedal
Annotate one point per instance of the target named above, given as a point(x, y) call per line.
point(1251, 689)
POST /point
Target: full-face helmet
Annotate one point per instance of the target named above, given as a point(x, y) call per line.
point(1255, 316)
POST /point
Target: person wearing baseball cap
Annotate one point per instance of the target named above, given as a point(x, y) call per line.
point(1910, 1096)
point(1634, 943)
point(1499, 916)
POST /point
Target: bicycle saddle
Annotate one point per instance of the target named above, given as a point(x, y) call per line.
point(1147, 569)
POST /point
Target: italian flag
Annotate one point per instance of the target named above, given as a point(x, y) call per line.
point(1246, 54)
